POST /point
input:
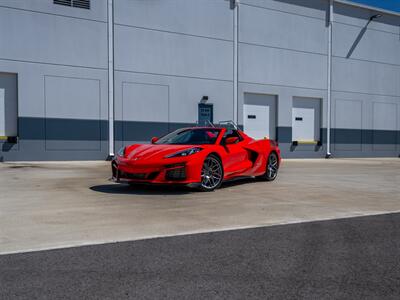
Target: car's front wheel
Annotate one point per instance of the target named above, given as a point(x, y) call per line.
point(212, 174)
point(272, 167)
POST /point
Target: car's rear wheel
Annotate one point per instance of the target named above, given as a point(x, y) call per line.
point(272, 167)
point(212, 173)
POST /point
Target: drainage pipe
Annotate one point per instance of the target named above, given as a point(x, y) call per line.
point(235, 4)
point(329, 96)
point(111, 78)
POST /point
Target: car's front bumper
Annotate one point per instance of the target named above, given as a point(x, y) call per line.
point(174, 171)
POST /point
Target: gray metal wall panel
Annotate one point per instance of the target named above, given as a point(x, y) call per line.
point(385, 116)
point(35, 37)
point(367, 101)
point(348, 114)
point(63, 133)
point(358, 17)
point(97, 11)
point(149, 51)
point(210, 18)
point(72, 98)
point(184, 95)
point(372, 74)
point(365, 77)
point(366, 44)
point(36, 153)
point(145, 102)
point(279, 29)
point(31, 85)
point(265, 65)
point(310, 8)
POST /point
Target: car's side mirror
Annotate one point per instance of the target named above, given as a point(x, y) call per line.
point(154, 140)
point(231, 140)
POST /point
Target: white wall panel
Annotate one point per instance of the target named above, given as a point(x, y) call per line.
point(145, 102)
point(372, 45)
point(279, 29)
point(281, 67)
point(384, 116)
point(348, 114)
point(212, 18)
point(365, 77)
point(359, 17)
point(97, 11)
point(314, 8)
point(52, 39)
point(157, 52)
point(72, 98)
point(184, 96)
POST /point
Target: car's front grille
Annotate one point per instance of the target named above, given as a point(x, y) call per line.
point(134, 175)
point(138, 176)
point(176, 174)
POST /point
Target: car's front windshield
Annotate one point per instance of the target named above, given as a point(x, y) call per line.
point(198, 136)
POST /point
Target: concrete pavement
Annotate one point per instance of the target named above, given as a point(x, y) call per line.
point(63, 204)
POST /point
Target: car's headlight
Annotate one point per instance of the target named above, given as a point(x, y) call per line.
point(186, 152)
point(121, 152)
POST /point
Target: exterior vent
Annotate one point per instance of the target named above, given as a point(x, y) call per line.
point(81, 3)
point(74, 3)
point(63, 2)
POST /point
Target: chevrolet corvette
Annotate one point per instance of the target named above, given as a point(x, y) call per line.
point(201, 157)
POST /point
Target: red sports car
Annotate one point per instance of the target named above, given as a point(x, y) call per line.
point(200, 157)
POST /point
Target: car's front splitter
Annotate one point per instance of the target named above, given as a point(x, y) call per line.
point(158, 183)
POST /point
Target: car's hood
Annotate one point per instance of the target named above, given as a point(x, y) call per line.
point(152, 151)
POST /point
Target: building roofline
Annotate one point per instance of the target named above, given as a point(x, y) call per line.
point(377, 9)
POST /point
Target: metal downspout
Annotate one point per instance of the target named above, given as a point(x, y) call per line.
point(328, 114)
point(235, 59)
point(111, 78)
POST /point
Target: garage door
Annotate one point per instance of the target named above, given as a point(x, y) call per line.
point(8, 105)
point(306, 120)
point(259, 115)
point(303, 124)
point(256, 120)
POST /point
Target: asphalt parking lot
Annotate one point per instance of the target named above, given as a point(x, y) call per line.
point(356, 258)
point(63, 204)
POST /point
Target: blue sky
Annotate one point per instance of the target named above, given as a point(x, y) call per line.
point(386, 4)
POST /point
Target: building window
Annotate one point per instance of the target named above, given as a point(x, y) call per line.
point(74, 3)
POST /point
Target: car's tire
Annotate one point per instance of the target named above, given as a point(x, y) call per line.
point(212, 174)
point(271, 169)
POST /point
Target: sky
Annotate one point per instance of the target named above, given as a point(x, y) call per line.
point(386, 4)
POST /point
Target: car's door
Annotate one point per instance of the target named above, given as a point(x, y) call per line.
point(236, 159)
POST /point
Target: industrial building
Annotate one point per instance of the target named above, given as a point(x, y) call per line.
point(81, 78)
